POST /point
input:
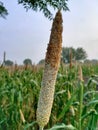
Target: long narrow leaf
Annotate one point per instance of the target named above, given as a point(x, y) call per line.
point(61, 126)
point(92, 102)
point(29, 125)
point(67, 106)
point(90, 92)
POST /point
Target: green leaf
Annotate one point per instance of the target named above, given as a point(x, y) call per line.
point(67, 106)
point(60, 92)
point(29, 125)
point(34, 82)
point(92, 102)
point(3, 10)
point(90, 92)
point(2, 121)
point(20, 97)
point(68, 127)
point(43, 5)
point(90, 112)
point(92, 124)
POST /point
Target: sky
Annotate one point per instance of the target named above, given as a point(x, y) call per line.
point(26, 34)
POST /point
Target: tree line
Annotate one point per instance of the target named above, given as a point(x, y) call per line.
point(76, 54)
point(70, 53)
point(8, 62)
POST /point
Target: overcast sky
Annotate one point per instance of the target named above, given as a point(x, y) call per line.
point(26, 34)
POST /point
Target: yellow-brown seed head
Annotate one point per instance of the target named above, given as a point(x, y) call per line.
point(52, 62)
point(55, 44)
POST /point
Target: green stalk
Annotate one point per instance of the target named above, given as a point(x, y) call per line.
point(81, 95)
point(41, 128)
point(81, 105)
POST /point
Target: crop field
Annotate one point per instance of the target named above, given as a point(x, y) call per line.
point(75, 100)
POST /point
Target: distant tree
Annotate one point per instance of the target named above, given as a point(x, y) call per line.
point(41, 62)
point(66, 51)
point(94, 61)
point(87, 61)
point(80, 54)
point(27, 61)
point(3, 10)
point(8, 62)
point(76, 54)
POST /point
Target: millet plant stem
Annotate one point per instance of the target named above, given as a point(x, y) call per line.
point(81, 105)
point(81, 95)
point(41, 128)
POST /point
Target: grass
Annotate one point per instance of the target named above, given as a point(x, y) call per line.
point(20, 88)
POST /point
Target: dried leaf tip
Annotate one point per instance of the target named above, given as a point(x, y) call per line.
point(22, 116)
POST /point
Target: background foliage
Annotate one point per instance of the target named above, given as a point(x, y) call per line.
point(3, 10)
point(19, 90)
point(39, 5)
point(78, 54)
